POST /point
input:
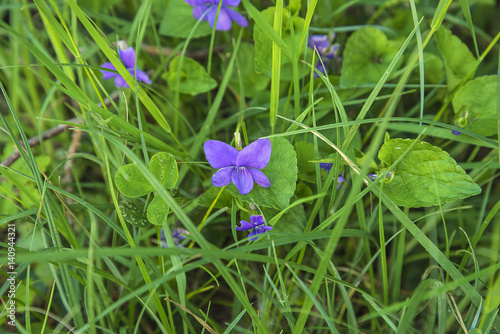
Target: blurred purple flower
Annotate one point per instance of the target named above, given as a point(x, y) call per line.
point(258, 225)
point(240, 167)
point(456, 133)
point(128, 58)
point(326, 50)
point(178, 234)
point(226, 14)
point(328, 166)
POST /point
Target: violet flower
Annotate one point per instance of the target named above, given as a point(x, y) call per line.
point(258, 225)
point(226, 14)
point(128, 58)
point(178, 234)
point(241, 167)
point(326, 50)
point(328, 166)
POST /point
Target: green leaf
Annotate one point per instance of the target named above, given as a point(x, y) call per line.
point(178, 21)
point(208, 197)
point(458, 59)
point(158, 211)
point(367, 55)
point(281, 171)
point(133, 214)
point(477, 101)
point(131, 182)
point(434, 68)
point(425, 176)
point(164, 167)
point(194, 78)
point(305, 153)
point(293, 221)
point(253, 82)
point(263, 44)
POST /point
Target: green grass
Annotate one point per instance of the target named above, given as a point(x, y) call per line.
point(346, 260)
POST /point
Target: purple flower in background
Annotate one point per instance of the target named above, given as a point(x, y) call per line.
point(226, 14)
point(178, 234)
point(456, 133)
point(258, 225)
point(128, 58)
point(326, 50)
point(240, 167)
point(328, 166)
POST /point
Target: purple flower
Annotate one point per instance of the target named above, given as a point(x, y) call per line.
point(326, 166)
point(326, 50)
point(128, 58)
point(226, 14)
point(456, 133)
point(178, 234)
point(258, 225)
point(372, 176)
point(240, 167)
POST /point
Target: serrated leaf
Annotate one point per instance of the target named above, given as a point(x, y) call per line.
point(158, 211)
point(263, 44)
point(477, 99)
point(178, 21)
point(458, 59)
point(131, 182)
point(426, 176)
point(194, 79)
point(367, 55)
point(133, 214)
point(281, 171)
point(164, 167)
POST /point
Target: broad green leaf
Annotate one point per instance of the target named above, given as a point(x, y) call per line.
point(158, 211)
point(208, 197)
point(194, 78)
point(426, 175)
point(476, 101)
point(133, 214)
point(263, 44)
point(178, 21)
point(253, 82)
point(458, 59)
point(293, 221)
point(281, 171)
point(434, 68)
point(367, 55)
point(305, 153)
point(164, 167)
point(131, 182)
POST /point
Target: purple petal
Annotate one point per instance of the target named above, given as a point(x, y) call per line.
point(456, 133)
point(256, 220)
point(141, 75)
point(222, 177)
point(223, 21)
point(266, 228)
point(321, 42)
point(198, 12)
point(319, 66)
point(120, 82)
point(236, 17)
point(128, 57)
point(252, 234)
point(260, 178)
point(326, 166)
point(245, 226)
point(232, 3)
point(255, 155)
point(243, 180)
point(220, 154)
point(106, 74)
point(198, 2)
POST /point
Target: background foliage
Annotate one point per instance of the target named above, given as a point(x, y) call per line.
point(413, 248)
